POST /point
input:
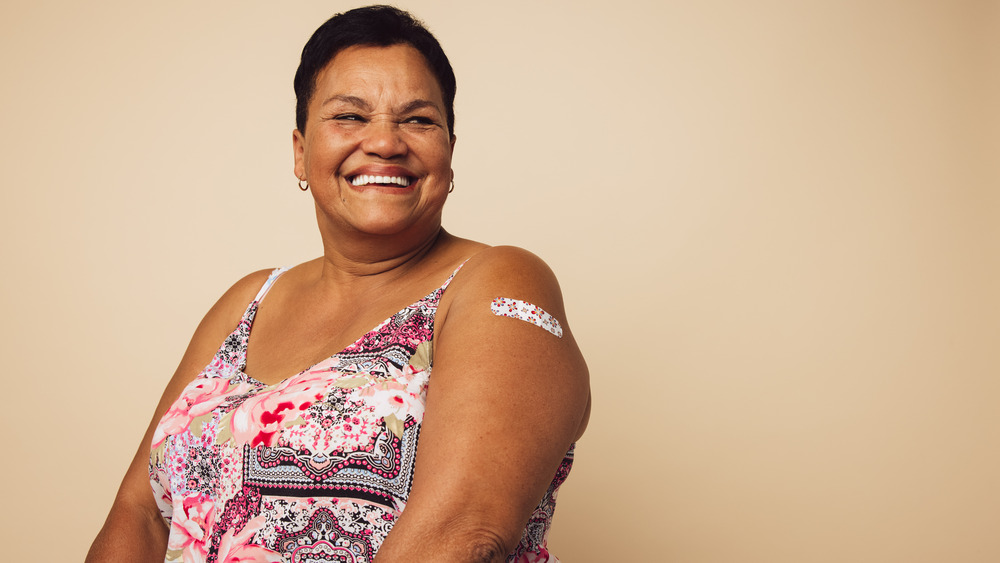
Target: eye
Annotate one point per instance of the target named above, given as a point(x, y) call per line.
point(419, 120)
point(348, 117)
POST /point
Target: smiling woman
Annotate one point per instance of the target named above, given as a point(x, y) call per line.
point(380, 102)
point(289, 432)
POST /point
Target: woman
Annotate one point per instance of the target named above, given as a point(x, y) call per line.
point(298, 440)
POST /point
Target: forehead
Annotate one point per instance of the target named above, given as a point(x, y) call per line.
point(399, 71)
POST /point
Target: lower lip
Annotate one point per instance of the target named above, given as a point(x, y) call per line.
point(384, 189)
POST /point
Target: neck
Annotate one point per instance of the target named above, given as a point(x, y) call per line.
point(353, 259)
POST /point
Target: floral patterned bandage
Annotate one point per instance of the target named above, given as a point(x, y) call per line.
point(515, 308)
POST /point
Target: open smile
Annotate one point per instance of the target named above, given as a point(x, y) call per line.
point(370, 180)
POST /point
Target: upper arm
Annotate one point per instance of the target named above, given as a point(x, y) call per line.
point(505, 401)
point(135, 495)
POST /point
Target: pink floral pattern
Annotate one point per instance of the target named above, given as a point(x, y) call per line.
point(317, 467)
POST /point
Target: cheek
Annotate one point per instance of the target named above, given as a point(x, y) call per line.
point(328, 151)
point(438, 155)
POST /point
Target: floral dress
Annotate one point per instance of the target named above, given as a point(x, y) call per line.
point(316, 468)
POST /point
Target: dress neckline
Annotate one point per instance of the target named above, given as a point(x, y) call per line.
point(251, 312)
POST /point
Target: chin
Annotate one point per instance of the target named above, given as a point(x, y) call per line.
point(387, 227)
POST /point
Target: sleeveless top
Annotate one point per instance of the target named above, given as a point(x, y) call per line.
point(315, 468)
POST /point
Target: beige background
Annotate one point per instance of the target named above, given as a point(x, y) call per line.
point(776, 226)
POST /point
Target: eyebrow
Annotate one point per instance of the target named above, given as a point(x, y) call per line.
point(361, 103)
point(353, 100)
point(418, 104)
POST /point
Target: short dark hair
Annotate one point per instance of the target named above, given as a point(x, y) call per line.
point(380, 26)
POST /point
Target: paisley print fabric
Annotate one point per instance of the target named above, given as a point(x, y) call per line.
point(316, 468)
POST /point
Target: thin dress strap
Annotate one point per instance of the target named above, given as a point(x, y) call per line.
point(447, 282)
point(251, 311)
point(267, 284)
point(234, 350)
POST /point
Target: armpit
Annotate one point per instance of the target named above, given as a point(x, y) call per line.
point(517, 309)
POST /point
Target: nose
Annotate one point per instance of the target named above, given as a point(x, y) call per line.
point(383, 139)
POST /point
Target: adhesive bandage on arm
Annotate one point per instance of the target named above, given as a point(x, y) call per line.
point(517, 309)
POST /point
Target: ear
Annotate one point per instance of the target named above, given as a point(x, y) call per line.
point(298, 153)
point(453, 138)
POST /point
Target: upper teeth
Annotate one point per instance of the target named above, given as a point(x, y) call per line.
point(365, 179)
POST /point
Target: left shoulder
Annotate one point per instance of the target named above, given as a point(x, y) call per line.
point(507, 267)
point(502, 273)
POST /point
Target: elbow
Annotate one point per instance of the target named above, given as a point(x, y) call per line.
point(452, 542)
point(485, 545)
point(464, 535)
point(446, 547)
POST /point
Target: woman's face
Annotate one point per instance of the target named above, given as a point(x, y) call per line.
point(376, 150)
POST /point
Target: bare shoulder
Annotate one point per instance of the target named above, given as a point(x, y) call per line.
point(502, 275)
point(239, 295)
point(216, 325)
point(507, 268)
point(228, 310)
point(507, 257)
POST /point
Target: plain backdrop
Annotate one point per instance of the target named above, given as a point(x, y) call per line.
point(776, 224)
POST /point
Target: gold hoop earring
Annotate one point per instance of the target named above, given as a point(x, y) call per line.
point(305, 188)
point(451, 188)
